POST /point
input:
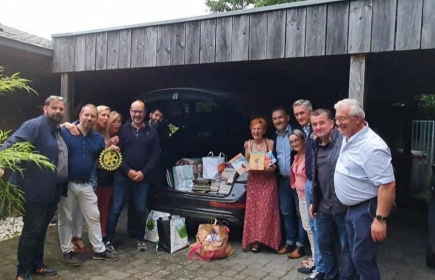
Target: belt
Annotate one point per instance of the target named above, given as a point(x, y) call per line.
point(284, 176)
point(364, 202)
point(80, 182)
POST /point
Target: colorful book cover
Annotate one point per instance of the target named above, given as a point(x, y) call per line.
point(239, 163)
point(256, 161)
point(270, 159)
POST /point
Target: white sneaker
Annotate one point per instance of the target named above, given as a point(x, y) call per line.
point(316, 276)
point(141, 246)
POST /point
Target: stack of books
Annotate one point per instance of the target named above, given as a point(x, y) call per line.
point(228, 175)
point(201, 185)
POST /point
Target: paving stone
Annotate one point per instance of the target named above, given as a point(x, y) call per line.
point(278, 273)
point(254, 273)
point(270, 277)
point(98, 278)
point(222, 277)
point(239, 267)
point(240, 276)
point(211, 273)
point(143, 274)
point(161, 273)
point(115, 274)
point(229, 273)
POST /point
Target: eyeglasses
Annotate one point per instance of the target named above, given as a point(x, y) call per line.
point(140, 112)
point(343, 119)
point(295, 142)
point(56, 97)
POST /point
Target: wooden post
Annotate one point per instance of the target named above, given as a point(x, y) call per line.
point(357, 78)
point(67, 88)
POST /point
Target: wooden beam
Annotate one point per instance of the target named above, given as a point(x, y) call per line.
point(357, 78)
point(67, 88)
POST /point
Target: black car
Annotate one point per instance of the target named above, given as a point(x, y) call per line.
point(198, 121)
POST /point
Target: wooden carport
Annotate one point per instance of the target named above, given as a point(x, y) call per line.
point(384, 49)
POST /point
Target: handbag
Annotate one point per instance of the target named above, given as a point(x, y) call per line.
point(210, 165)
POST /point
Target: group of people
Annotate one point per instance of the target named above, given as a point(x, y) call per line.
point(74, 148)
point(332, 182)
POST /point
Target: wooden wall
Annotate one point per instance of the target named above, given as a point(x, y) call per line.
point(328, 28)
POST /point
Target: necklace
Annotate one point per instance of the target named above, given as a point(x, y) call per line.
point(259, 145)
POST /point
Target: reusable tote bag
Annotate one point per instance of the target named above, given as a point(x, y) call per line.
point(151, 233)
point(172, 234)
point(183, 177)
point(210, 165)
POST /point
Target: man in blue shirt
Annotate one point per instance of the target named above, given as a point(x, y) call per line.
point(295, 235)
point(41, 186)
point(139, 144)
point(84, 149)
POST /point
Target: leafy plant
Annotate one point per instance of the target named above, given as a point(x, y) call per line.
point(11, 158)
point(13, 83)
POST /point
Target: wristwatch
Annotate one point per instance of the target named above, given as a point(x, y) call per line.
point(381, 218)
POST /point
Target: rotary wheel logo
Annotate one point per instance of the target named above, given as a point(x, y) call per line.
point(110, 159)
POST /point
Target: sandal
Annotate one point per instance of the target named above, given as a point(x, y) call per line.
point(307, 262)
point(255, 248)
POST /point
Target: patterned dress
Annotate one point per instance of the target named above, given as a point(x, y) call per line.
point(262, 222)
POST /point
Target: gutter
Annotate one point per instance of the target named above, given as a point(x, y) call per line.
point(27, 47)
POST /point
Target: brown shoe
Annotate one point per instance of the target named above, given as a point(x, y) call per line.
point(286, 249)
point(297, 253)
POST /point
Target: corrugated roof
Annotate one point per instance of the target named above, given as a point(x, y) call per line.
point(15, 34)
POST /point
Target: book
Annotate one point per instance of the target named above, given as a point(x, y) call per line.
point(239, 163)
point(256, 161)
point(269, 159)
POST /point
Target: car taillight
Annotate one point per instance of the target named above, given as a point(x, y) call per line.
point(227, 205)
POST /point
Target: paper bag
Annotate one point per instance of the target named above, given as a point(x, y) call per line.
point(183, 177)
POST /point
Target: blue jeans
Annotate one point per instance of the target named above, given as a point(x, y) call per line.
point(317, 256)
point(125, 190)
point(289, 207)
point(364, 250)
point(328, 226)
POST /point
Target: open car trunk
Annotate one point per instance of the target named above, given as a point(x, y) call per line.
point(197, 122)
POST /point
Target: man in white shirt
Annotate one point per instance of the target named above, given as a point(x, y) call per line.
point(364, 181)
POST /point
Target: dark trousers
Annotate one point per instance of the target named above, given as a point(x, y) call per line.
point(289, 207)
point(329, 227)
point(37, 217)
point(364, 250)
point(125, 190)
